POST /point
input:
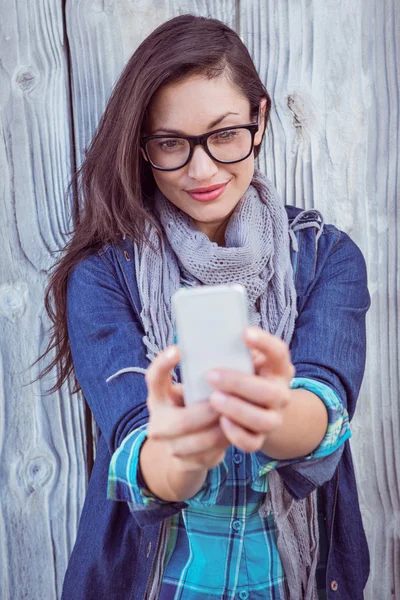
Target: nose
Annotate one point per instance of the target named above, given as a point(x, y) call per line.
point(201, 166)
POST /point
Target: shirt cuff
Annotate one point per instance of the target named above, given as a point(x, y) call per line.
point(125, 481)
point(124, 478)
point(338, 431)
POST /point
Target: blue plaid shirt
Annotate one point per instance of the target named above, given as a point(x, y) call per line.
point(221, 545)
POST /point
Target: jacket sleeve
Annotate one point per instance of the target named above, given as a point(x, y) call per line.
point(329, 343)
point(105, 336)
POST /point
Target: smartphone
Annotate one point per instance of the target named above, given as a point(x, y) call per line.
point(210, 321)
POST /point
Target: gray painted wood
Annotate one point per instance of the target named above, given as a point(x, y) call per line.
point(332, 72)
point(42, 440)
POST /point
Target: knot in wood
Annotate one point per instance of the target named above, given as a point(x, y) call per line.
point(297, 108)
point(107, 6)
point(304, 114)
point(26, 78)
point(13, 300)
point(38, 472)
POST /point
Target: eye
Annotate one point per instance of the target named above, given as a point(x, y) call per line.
point(170, 144)
point(225, 136)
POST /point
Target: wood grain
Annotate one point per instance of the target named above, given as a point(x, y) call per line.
point(333, 143)
point(42, 445)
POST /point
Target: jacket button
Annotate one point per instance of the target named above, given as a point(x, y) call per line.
point(127, 257)
point(148, 550)
point(334, 586)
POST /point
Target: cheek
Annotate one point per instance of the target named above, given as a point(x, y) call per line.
point(166, 182)
point(172, 183)
point(244, 171)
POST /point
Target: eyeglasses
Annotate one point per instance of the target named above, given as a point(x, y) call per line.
point(226, 145)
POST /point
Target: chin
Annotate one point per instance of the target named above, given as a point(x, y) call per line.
point(211, 214)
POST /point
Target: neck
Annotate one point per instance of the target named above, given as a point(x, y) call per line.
point(214, 231)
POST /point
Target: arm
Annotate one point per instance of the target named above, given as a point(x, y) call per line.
point(261, 413)
point(329, 343)
point(106, 336)
point(184, 443)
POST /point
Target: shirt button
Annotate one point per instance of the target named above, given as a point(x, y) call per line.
point(243, 595)
point(237, 459)
point(334, 586)
point(236, 525)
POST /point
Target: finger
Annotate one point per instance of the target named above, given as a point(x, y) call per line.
point(245, 414)
point(273, 392)
point(158, 374)
point(200, 442)
point(175, 421)
point(275, 350)
point(259, 359)
point(175, 395)
point(239, 437)
point(207, 460)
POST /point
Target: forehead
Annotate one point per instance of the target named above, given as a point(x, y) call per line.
point(192, 104)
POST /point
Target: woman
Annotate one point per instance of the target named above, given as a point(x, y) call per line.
point(217, 499)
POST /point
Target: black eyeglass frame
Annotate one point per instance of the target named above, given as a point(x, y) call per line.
point(201, 140)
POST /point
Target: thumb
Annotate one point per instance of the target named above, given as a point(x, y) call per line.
point(158, 375)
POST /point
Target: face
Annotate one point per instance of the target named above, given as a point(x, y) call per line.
point(193, 107)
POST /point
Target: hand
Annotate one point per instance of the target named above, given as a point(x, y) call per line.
point(192, 434)
point(252, 406)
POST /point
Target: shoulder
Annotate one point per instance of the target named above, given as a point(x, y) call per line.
point(92, 272)
point(292, 211)
point(109, 270)
point(321, 252)
point(309, 222)
point(95, 269)
point(102, 261)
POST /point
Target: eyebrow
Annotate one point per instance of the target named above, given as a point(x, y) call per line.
point(210, 126)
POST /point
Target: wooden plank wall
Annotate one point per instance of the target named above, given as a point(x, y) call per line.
point(332, 70)
point(42, 440)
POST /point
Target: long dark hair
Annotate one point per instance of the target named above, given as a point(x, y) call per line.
point(114, 185)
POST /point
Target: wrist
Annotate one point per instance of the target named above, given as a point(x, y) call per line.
point(166, 476)
point(304, 424)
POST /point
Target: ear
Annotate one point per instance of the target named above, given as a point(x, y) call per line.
point(259, 135)
point(144, 154)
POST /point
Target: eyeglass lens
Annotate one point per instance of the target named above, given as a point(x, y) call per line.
point(226, 146)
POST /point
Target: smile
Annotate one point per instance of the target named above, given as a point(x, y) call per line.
point(208, 193)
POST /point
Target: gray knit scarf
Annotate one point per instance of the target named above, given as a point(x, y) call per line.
point(257, 255)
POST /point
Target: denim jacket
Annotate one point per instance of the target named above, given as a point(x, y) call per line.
point(115, 549)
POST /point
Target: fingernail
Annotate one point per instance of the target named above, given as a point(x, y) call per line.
point(252, 334)
point(213, 377)
point(170, 353)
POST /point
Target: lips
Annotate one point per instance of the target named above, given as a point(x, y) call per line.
point(210, 192)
